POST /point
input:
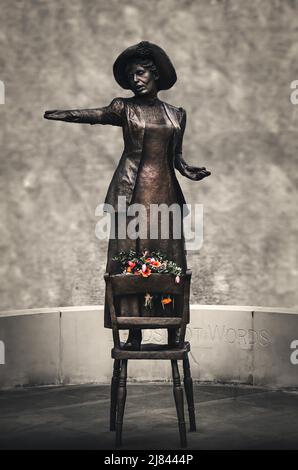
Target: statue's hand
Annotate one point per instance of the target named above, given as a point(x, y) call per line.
point(196, 173)
point(57, 115)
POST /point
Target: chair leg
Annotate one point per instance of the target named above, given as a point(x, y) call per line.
point(178, 395)
point(121, 397)
point(114, 392)
point(189, 394)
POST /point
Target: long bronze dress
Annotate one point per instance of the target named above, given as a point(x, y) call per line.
point(154, 185)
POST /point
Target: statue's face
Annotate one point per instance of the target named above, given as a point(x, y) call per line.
point(141, 80)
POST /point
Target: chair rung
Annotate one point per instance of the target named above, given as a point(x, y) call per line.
point(148, 322)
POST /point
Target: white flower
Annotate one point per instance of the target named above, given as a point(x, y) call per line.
point(177, 279)
point(144, 267)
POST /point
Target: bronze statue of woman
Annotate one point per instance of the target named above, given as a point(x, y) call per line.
point(153, 133)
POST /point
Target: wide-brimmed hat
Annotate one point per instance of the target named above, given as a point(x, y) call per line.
point(146, 50)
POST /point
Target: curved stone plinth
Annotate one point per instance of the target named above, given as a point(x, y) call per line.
point(250, 345)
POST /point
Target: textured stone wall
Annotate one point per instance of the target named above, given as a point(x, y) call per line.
point(235, 61)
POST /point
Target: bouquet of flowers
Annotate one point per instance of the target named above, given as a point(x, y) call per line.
point(146, 264)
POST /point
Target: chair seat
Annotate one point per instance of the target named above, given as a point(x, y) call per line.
point(152, 351)
point(124, 323)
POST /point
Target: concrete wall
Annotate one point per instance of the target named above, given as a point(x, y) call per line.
point(249, 345)
point(235, 60)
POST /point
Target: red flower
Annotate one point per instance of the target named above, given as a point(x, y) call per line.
point(156, 263)
point(146, 272)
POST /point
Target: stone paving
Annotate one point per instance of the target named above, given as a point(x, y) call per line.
point(77, 417)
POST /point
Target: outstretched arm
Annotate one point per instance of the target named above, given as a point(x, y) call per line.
point(111, 114)
point(192, 172)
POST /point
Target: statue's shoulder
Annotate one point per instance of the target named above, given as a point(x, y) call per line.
point(117, 105)
point(180, 112)
point(176, 109)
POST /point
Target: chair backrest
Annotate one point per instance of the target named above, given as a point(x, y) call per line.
point(156, 283)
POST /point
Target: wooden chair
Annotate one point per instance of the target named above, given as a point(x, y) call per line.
point(121, 284)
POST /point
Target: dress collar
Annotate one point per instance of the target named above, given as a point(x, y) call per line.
point(146, 101)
